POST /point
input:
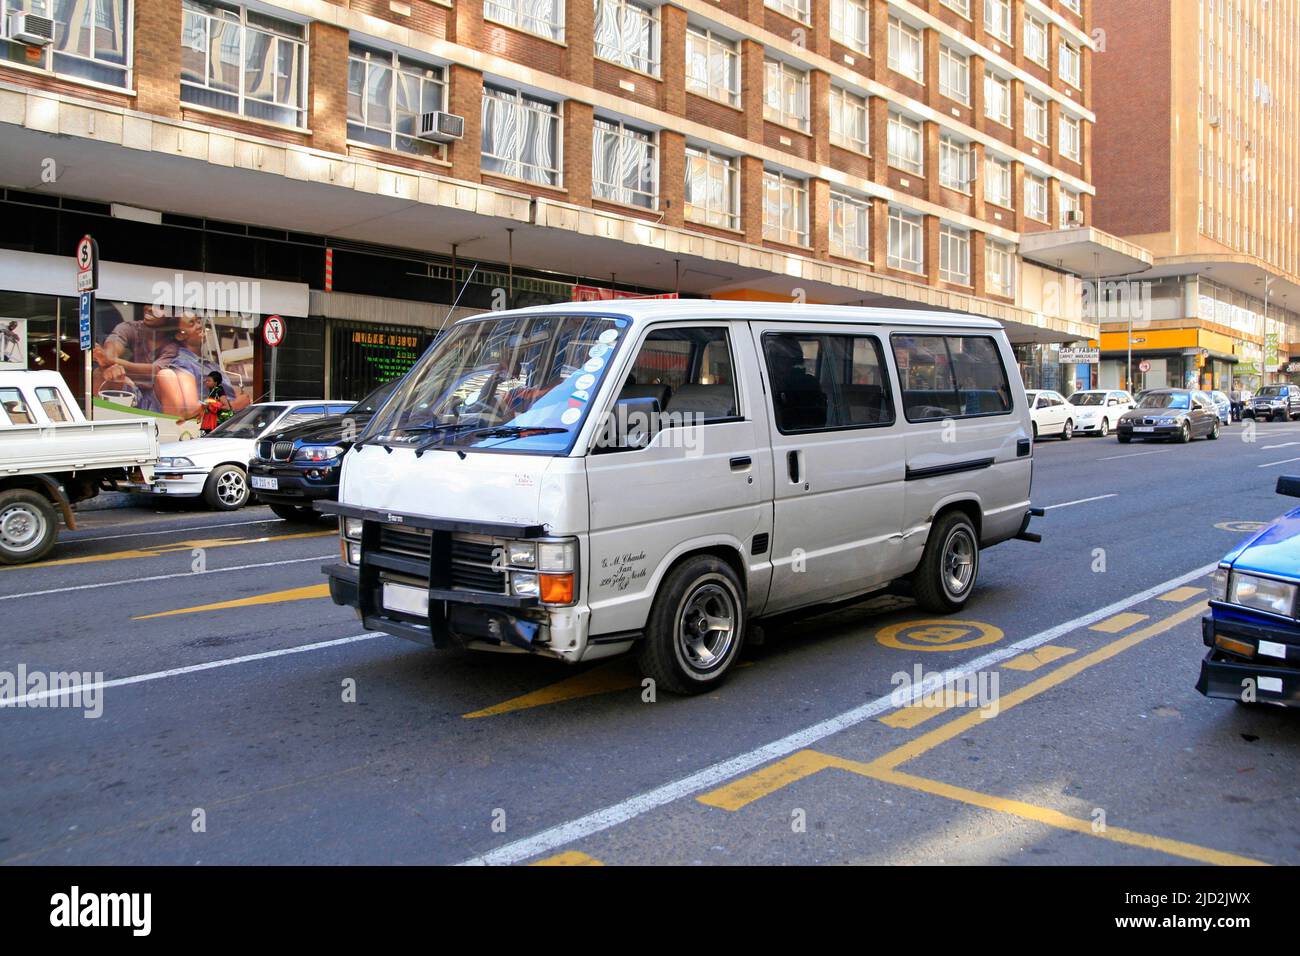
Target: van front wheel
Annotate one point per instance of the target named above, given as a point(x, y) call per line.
point(696, 627)
point(946, 575)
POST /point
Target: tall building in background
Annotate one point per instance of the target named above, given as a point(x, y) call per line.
point(915, 153)
point(1196, 104)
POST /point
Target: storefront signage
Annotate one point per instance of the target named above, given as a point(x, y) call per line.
point(1080, 356)
point(389, 339)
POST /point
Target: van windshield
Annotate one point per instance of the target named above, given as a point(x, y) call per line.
point(521, 383)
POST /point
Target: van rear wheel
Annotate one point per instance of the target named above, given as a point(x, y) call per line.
point(696, 627)
point(946, 575)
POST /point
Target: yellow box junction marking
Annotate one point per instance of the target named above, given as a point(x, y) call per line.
point(275, 597)
point(930, 706)
point(1179, 595)
point(158, 550)
point(804, 763)
point(1118, 622)
point(569, 858)
point(1038, 657)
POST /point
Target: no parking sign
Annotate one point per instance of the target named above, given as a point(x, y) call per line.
point(273, 330)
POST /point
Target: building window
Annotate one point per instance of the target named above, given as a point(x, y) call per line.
point(997, 98)
point(712, 66)
point(785, 94)
point(244, 62)
point(954, 254)
point(1036, 40)
point(1071, 206)
point(624, 164)
point(785, 208)
point(850, 24)
point(906, 241)
point(997, 181)
point(91, 42)
point(850, 227)
point(906, 54)
point(1068, 63)
point(1074, 5)
point(794, 9)
point(954, 74)
point(628, 34)
point(849, 120)
point(543, 17)
point(1000, 268)
point(961, 6)
point(1069, 145)
point(956, 162)
point(521, 136)
point(1036, 197)
point(387, 95)
point(905, 145)
point(712, 188)
point(997, 19)
point(1036, 119)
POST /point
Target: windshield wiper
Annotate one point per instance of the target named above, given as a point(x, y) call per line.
point(510, 431)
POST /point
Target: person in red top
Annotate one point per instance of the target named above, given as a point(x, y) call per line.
point(211, 407)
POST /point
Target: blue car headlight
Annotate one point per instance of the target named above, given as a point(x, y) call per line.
point(1262, 594)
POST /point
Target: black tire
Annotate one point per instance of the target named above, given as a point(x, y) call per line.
point(932, 585)
point(305, 514)
point(667, 654)
point(1067, 430)
point(1279, 416)
point(1123, 439)
point(1033, 430)
point(226, 488)
point(1184, 434)
point(28, 526)
point(1104, 428)
point(1214, 431)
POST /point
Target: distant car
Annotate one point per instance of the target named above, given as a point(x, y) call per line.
point(1224, 406)
point(1096, 410)
point(216, 465)
point(292, 467)
point(1050, 414)
point(1275, 403)
point(1253, 628)
point(1180, 414)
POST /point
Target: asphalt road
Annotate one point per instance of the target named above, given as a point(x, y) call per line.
point(228, 732)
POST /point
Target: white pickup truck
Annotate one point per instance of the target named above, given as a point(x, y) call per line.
point(51, 458)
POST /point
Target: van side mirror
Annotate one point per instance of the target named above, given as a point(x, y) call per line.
point(632, 423)
point(1289, 485)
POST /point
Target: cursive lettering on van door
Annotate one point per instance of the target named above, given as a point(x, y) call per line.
point(618, 572)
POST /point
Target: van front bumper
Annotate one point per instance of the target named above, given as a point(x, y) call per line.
point(1229, 674)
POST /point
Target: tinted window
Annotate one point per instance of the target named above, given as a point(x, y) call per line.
point(945, 376)
point(688, 372)
point(15, 409)
point(826, 381)
point(981, 379)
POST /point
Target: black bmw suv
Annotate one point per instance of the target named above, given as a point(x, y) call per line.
point(294, 467)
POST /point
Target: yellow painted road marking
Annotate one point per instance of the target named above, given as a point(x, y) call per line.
point(915, 714)
point(1038, 657)
point(617, 675)
point(275, 597)
point(1179, 595)
point(1118, 622)
point(745, 790)
point(941, 635)
point(569, 858)
point(161, 549)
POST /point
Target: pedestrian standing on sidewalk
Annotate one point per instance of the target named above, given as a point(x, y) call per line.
point(211, 407)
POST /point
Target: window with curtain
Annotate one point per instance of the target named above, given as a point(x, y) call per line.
point(628, 34)
point(1000, 267)
point(624, 164)
point(387, 94)
point(92, 39)
point(956, 162)
point(543, 17)
point(850, 226)
point(785, 94)
point(521, 136)
point(997, 98)
point(848, 120)
point(785, 208)
point(906, 241)
point(712, 188)
point(997, 181)
point(954, 74)
point(906, 54)
point(712, 65)
point(850, 24)
point(954, 254)
point(905, 149)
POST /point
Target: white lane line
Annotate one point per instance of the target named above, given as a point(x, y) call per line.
point(1285, 444)
point(191, 669)
point(202, 527)
point(1270, 464)
point(1135, 454)
point(547, 840)
point(162, 577)
point(1080, 501)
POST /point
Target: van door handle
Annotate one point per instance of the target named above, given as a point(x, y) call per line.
point(792, 462)
point(741, 463)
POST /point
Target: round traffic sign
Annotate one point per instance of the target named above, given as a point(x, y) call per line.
point(85, 253)
point(273, 330)
point(1144, 366)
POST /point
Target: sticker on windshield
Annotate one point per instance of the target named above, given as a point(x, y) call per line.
point(595, 365)
point(609, 336)
point(584, 383)
point(598, 351)
point(571, 415)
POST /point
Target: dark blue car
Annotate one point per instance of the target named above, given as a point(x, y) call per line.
point(1253, 628)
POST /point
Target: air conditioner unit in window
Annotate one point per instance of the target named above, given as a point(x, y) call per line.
point(1074, 218)
point(31, 29)
point(441, 127)
point(1214, 119)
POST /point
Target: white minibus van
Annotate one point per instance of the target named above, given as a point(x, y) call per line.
point(584, 479)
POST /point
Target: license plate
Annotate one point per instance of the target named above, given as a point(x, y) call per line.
point(1144, 428)
point(266, 484)
point(404, 598)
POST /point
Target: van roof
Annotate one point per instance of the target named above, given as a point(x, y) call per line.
point(33, 377)
point(642, 310)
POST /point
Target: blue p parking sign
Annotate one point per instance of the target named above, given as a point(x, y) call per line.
point(86, 307)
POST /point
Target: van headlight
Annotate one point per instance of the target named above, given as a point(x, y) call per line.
point(350, 528)
point(1219, 587)
point(1262, 594)
point(546, 570)
point(350, 551)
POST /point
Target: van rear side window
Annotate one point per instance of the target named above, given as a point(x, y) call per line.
point(950, 376)
point(822, 382)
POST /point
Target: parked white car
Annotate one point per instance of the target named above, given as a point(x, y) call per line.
point(1050, 413)
point(1096, 410)
point(216, 465)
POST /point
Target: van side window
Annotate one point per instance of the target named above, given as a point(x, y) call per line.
point(826, 381)
point(52, 402)
point(15, 409)
point(688, 372)
point(951, 376)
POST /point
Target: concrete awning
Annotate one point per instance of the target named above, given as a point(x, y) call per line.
point(1085, 251)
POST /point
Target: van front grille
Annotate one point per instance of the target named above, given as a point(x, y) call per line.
point(472, 560)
